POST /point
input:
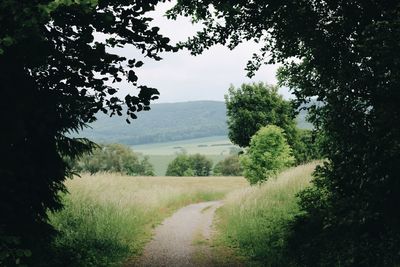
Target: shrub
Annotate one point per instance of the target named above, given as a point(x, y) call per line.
point(229, 166)
point(189, 165)
point(268, 154)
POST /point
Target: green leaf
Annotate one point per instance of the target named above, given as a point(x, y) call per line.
point(7, 41)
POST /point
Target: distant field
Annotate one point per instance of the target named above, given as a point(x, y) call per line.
point(160, 155)
point(214, 145)
point(109, 217)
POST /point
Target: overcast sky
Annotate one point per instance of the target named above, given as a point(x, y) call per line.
point(182, 77)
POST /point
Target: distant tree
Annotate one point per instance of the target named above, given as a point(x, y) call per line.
point(114, 158)
point(144, 168)
point(230, 166)
point(189, 165)
point(188, 172)
point(58, 68)
point(178, 166)
point(200, 165)
point(267, 154)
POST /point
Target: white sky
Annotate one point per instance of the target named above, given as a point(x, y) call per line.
point(182, 77)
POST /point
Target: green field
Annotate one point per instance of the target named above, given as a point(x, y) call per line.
point(214, 145)
point(160, 155)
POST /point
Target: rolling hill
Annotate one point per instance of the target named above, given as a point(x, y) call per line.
point(166, 122)
point(163, 123)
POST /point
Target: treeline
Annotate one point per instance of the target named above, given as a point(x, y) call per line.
point(200, 165)
point(113, 158)
point(122, 159)
point(176, 134)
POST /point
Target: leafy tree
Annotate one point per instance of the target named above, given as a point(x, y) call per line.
point(178, 166)
point(267, 154)
point(256, 105)
point(114, 158)
point(344, 53)
point(58, 68)
point(253, 106)
point(144, 168)
point(230, 166)
point(189, 165)
point(200, 165)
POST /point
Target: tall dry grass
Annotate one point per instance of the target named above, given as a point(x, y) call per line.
point(255, 220)
point(109, 217)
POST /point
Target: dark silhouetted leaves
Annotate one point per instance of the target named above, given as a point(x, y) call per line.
point(132, 76)
point(139, 64)
point(53, 71)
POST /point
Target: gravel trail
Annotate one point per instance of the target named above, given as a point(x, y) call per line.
point(182, 239)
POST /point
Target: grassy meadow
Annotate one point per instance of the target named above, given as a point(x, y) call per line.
point(108, 217)
point(254, 220)
point(213, 145)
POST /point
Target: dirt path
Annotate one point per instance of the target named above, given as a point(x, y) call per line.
point(182, 239)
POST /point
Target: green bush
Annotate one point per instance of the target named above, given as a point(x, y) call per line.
point(268, 154)
point(114, 158)
point(189, 165)
point(229, 166)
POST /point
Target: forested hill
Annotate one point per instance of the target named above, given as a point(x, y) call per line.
point(164, 122)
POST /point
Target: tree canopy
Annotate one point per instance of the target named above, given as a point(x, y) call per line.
point(344, 53)
point(189, 165)
point(58, 68)
point(253, 106)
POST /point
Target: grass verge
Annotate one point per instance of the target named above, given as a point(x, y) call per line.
point(254, 221)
